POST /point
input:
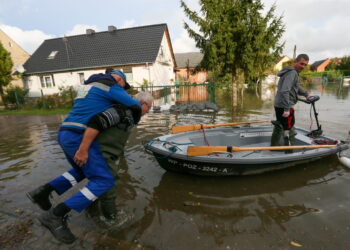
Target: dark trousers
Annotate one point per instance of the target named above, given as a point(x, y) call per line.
point(287, 122)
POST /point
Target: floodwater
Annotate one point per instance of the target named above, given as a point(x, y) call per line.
point(307, 206)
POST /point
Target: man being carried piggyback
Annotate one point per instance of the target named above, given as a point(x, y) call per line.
point(102, 104)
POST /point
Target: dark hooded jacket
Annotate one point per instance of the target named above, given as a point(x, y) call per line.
point(288, 89)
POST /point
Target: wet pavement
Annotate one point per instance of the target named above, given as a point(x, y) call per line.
point(305, 206)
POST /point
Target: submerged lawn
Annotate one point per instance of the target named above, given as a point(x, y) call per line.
point(34, 112)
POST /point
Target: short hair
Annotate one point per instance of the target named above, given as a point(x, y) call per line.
point(304, 56)
point(109, 70)
point(143, 96)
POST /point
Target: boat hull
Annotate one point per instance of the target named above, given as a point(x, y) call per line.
point(222, 169)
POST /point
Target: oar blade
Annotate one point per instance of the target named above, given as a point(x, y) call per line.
point(184, 128)
point(204, 150)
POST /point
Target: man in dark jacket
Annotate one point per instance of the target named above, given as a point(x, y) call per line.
point(287, 96)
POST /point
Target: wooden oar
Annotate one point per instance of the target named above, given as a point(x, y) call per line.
point(205, 150)
point(191, 127)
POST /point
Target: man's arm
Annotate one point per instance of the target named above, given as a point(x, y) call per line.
point(100, 122)
point(119, 95)
point(82, 155)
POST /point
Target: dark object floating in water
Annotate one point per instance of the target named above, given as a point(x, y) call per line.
point(195, 107)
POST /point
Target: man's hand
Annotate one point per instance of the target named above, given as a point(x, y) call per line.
point(81, 157)
point(286, 114)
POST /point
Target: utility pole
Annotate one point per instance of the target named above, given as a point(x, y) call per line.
point(295, 52)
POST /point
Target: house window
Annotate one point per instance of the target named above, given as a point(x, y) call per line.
point(52, 54)
point(10, 44)
point(81, 78)
point(128, 73)
point(47, 81)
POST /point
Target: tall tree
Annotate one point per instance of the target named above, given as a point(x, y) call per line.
point(236, 38)
point(6, 65)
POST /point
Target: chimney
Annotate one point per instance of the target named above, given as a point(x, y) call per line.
point(111, 28)
point(90, 31)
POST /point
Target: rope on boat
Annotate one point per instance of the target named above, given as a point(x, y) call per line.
point(204, 136)
point(173, 146)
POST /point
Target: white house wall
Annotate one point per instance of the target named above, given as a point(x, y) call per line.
point(63, 79)
point(156, 73)
point(164, 65)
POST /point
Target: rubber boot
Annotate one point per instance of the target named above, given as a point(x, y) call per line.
point(93, 210)
point(108, 206)
point(41, 196)
point(276, 133)
point(292, 134)
point(58, 226)
point(287, 141)
point(111, 216)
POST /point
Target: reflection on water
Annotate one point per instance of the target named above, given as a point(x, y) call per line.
point(174, 211)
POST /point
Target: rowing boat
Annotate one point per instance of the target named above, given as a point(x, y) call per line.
point(237, 150)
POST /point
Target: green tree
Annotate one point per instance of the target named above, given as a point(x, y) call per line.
point(5, 71)
point(344, 64)
point(236, 38)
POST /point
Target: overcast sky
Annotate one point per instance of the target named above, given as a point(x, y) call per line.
point(319, 28)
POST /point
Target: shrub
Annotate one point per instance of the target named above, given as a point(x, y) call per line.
point(15, 95)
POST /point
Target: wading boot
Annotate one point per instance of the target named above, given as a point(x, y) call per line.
point(41, 196)
point(93, 210)
point(116, 220)
point(58, 226)
point(291, 139)
point(287, 141)
point(277, 133)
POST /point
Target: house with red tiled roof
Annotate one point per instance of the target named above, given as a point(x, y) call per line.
point(320, 66)
point(186, 63)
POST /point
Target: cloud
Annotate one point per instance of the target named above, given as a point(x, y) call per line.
point(184, 44)
point(29, 40)
point(128, 23)
point(80, 29)
point(318, 28)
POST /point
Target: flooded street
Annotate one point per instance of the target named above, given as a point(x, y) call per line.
point(307, 205)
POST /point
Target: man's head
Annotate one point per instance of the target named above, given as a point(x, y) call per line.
point(146, 100)
point(119, 77)
point(301, 62)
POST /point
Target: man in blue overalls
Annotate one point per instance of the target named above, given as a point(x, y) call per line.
point(100, 92)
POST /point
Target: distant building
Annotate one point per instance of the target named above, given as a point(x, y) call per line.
point(320, 66)
point(18, 56)
point(144, 54)
point(186, 63)
point(279, 63)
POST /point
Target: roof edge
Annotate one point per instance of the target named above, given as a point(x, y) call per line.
point(83, 68)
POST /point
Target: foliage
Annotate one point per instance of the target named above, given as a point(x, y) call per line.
point(344, 64)
point(6, 65)
point(15, 95)
point(306, 74)
point(333, 75)
point(67, 92)
point(287, 63)
point(219, 79)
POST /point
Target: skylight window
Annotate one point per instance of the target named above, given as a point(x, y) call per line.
point(52, 54)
